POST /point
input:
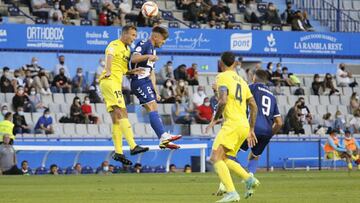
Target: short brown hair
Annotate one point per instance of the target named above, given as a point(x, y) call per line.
point(161, 30)
point(228, 58)
point(126, 28)
point(261, 76)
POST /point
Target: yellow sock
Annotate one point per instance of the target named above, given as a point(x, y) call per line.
point(224, 175)
point(117, 139)
point(237, 169)
point(126, 130)
point(350, 166)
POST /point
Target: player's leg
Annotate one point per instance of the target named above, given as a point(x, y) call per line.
point(218, 156)
point(157, 125)
point(256, 151)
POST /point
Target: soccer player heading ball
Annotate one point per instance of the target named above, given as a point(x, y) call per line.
point(116, 65)
point(144, 85)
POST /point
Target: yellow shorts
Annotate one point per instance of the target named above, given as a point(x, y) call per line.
point(111, 91)
point(231, 136)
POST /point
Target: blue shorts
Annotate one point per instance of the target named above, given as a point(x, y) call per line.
point(263, 141)
point(143, 90)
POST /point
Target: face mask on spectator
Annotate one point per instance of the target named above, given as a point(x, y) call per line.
point(33, 92)
point(78, 100)
point(79, 74)
point(87, 101)
point(56, 6)
point(21, 113)
point(168, 84)
point(198, 4)
point(7, 75)
point(4, 111)
point(35, 62)
point(106, 168)
point(47, 116)
point(207, 103)
point(357, 97)
point(182, 84)
point(201, 92)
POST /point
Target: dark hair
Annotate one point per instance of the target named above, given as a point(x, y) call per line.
point(261, 76)
point(24, 162)
point(126, 28)
point(7, 115)
point(316, 76)
point(163, 31)
point(187, 165)
point(169, 62)
point(19, 87)
point(47, 110)
point(6, 68)
point(284, 68)
point(171, 165)
point(268, 65)
point(75, 98)
point(167, 81)
point(53, 165)
point(137, 164)
point(228, 58)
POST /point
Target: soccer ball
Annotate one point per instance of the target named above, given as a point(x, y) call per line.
point(149, 9)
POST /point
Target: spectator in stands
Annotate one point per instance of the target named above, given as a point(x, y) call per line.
point(328, 87)
point(252, 15)
point(25, 168)
point(79, 84)
point(354, 102)
point(306, 116)
point(269, 71)
point(196, 12)
point(167, 93)
point(137, 168)
point(17, 80)
point(297, 22)
point(20, 125)
point(83, 8)
point(7, 127)
point(240, 71)
point(60, 65)
point(40, 79)
point(199, 96)
point(125, 168)
point(187, 168)
point(76, 114)
point(125, 12)
point(77, 169)
point(328, 122)
point(90, 118)
point(5, 81)
point(192, 73)
point(271, 15)
point(94, 92)
point(292, 120)
point(214, 99)
point(45, 124)
point(277, 76)
point(352, 147)
point(67, 7)
point(288, 14)
point(316, 84)
point(22, 100)
point(286, 77)
point(210, 25)
point(4, 110)
point(182, 90)
point(102, 18)
point(182, 4)
point(204, 112)
point(28, 81)
point(100, 68)
point(306, 22)
point(166, 72)
point(339, 124)
point(54, 170)
point(172, 168)
point(104, 169)
point(126, 89)
point(334, 149)
point(8, 158)
point(61, 84)
point(55, 14)
point(181, 112)
point(355, 122)
point(344, 77)
point(219, 12)
point(34, 98)
point(40, 8)
point(180, 73)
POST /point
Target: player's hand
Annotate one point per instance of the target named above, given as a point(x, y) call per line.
point(158, 97)
point(153, 58)
point(251, 139)
point(137, 71)
point(210, 126)
point(107, 74)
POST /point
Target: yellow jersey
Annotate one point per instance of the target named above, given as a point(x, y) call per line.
point(238, 93)
point(121, 57)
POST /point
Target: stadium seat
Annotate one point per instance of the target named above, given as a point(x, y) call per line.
point(332, 109)
point(93, 130)
point(321, 110)
point(13, 11)
point(100, 108)
point(173, 24)
point(282, 100)
point(139, 130)
point(334, 100)
point(65, 108)
point(255, 27)
point(276, 28)
point(160, 169)
point(85, 22)
point(87, 170)
point(55, 108)
point(28, 119)
point(41, 21)
point(95, 3)
point(81, 96)
point(132, 118)
point(149, 131)
point(81, 130)
point(170, 5)
point(285, 90)
point(9, 97)
point(147, 169)
point(196, 130)
point(58, 98)
point(343, 109)
point(209, 91)
point(324, 100)
point(58, 129)
point(347, 91)
point(241, 7)
point(36, 116)
point(167, 15)
point(167, 108)
point(41, 171)
point(104, 130)
point(194, 26)
point(69, 98)
point(69, 129)
point(314, 100)
point(307, 129)
point(203, 80)
point(46, 99)
point(292, 99)
point(2, 98)
point(107, 118)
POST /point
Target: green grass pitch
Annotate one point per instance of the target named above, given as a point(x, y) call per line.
point(293, 186)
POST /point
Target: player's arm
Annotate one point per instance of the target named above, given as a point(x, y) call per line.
point(253, 112)
point(109, 59)
point(277, 125)
point(153, 81)
point(223, 96)
point(137, 57)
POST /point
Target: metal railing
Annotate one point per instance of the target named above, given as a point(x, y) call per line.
point(329, 15)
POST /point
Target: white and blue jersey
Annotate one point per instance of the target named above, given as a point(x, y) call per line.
point(141, 84)
point(267, 111)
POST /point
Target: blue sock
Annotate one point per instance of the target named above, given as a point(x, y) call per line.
point(156, 123)
point(252, 166)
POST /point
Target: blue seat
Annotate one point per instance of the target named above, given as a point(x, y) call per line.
point(85, 22)
point(276, 27)
point(255, 27)
point(167, 15)
point(116, 3)
point(147, 169)
point(262, 7)
point(13, 11)
point(41, 171)
point(69, 170)
point(160, 169)
point(173, 24)
point(95, 3)
point(231, 18)
point(194, 26)
point(87, 170)
point(241, 8)
point(138, 3)
point(40, 21)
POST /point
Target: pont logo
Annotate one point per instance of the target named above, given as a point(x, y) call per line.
point(3, 33)
point(241, 41)
point(45, 33)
